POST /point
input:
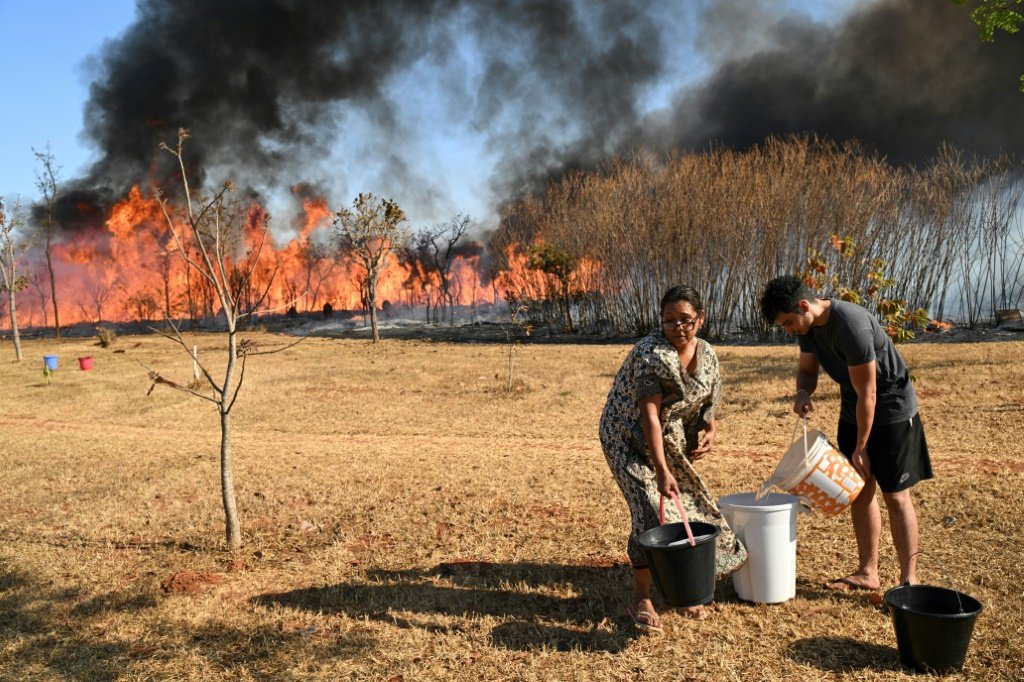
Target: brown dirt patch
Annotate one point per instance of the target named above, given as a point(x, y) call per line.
point(190, 582)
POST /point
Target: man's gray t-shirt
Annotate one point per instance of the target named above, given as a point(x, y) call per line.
point(851, 337)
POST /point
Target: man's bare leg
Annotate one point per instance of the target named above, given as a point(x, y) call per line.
point(903, 522)
point(867, 527)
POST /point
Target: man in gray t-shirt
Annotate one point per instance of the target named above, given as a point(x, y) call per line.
point(879, 429)
point(848, 337)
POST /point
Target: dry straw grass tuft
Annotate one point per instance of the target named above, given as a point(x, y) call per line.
point(405, 520)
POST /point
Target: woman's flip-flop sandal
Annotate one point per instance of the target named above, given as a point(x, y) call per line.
point(642, 620)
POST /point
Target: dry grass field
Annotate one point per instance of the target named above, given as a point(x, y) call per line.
point(405, 519)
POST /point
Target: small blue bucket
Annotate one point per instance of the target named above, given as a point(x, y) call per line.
point(50, 361)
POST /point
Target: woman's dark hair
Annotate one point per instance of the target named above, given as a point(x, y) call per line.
point(783, 295)
point(683, 293)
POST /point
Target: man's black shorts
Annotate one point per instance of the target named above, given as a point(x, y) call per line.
point(898, 452)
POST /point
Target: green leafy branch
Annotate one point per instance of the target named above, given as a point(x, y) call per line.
point(991, 15)
point(898, 321)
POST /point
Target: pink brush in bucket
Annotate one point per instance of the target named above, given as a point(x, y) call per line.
point(682, 514)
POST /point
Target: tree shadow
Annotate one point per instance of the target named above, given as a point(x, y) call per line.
point(37, 633)
point(521, 594)
point(33, 632)
point(268, 648)
point(124, 601)
point(843, 654)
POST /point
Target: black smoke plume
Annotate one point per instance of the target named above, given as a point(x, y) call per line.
point(901, 76)
point(268, 87)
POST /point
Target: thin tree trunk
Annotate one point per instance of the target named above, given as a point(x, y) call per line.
point(511, 366)
point(232, 534)
point(371, 296)
point(53, 290)
point(14, 324)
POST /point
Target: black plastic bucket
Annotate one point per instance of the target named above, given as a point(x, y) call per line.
point(684, 574)
point(933, 626)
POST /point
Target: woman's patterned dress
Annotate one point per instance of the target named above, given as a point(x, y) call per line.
point(688, 402)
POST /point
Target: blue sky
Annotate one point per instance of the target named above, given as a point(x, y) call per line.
point(44, 46)
point(47, 47)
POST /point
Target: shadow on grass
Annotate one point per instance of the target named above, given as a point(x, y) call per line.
point(66, 632)
point(528, 596)
point(843, 654)
point(33, 634)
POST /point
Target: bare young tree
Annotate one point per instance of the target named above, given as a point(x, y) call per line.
point(368, 232)
point(317, 263)
point(11, 251)
point(96, 294)
point(209, 234)
point(440, 243)
point(35, 279)
point(46, 181)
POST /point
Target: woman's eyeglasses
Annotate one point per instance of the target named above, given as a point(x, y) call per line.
point(686, 325)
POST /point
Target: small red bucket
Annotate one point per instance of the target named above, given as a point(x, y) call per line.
point(85, 363)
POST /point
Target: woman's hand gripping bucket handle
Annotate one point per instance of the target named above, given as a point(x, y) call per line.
point(682, 514)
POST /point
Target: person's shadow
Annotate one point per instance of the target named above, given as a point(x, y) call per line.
point(526, 596)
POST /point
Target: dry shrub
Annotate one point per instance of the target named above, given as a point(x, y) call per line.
point(728, 221)
point(107, 336)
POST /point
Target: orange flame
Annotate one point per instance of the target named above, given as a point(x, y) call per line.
point(131, 269)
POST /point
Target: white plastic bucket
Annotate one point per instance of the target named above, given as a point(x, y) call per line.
point(818, 474)
point(767, 528)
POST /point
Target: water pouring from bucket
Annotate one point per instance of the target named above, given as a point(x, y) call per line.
point(815, 471)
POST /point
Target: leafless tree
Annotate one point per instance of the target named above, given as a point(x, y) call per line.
point(318, 264)
point(12, 249)
point(96, 294)
point(439, 246)
point(209, 233)
point(368, 232)
point(46, 181)
point(35, 278)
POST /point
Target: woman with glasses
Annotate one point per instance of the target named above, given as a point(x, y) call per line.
point(658, 420)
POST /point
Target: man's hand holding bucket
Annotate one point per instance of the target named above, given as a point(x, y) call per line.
point(803, 405)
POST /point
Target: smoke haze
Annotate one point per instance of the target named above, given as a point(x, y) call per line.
point(339, 95)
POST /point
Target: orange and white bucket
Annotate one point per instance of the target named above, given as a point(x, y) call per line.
point(817, 473)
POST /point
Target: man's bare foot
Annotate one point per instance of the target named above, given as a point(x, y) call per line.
point(855, 581)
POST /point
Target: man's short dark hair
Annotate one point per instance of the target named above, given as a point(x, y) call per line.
point(783, 295)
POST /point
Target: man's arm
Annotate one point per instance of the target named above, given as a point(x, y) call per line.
point(806, 382)
point(863, 379)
